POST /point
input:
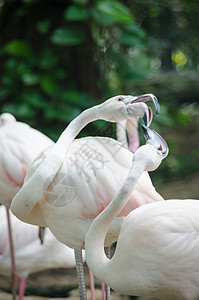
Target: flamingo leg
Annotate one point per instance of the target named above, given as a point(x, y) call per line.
point(22, 285)
point(14, 270)
point(80, 273)
point(107, 288)
point(103, 287)
point(92, 284)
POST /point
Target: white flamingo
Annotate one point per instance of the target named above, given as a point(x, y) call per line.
point(19, 145)
point(70, 183)
point(157, 251)
point(30, 255)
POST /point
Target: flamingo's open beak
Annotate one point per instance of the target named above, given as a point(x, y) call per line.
point(148, 116)
point(146, 98)
point(154, 139)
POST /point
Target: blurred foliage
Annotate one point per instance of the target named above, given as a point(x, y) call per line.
point(59, 57)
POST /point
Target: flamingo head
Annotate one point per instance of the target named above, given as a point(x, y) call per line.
point(151, 154)
point(6, 118)
point(122, 107)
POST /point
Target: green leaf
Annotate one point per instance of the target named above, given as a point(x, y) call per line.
point(48, 84)
point(115, 10)
point(47, 60)
point(67, 36)
point(101, 18)
point(22, 110)
point(50, 112)
point(43, 26)
point(77, 98)
point(135, 30)
point(76, 13)
point(18, 48)
point(34, 99)
point(30, 79)
point(128, 39)
point(66, 114)
point(4, 93)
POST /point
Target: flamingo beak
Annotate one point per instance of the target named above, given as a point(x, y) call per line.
point(148, 116)
point(146, 98)
point(154, 139)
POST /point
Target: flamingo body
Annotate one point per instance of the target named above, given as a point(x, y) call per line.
point(19, 145)
point(66, 194)
point(70, 183)
point(31, 256)
point(85, 184)
point(158, 251)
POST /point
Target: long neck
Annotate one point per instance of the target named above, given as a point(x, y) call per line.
point(94, 243)
point(39, 179)
point(128, 127)
point(73, 129)
point(121, 133)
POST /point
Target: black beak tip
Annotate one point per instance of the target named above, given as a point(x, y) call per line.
point(145, 131)
point(156, 140)
point(157, 105)
point(145, 119)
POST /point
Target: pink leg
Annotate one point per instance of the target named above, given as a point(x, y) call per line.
point(14, 270)
point(103, 291)
point(92, 285)
point(22, 286)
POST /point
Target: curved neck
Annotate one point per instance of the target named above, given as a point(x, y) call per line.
point(94, 242)
point(121, 133)
point(75, 126)
point(128, 127)
point(52, 159)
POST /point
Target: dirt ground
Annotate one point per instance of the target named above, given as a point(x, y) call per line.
point(55, 284)
point(180, 189)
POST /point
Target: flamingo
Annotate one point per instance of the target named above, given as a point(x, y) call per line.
point(30, 255)
point(157, 251)
point(71, 182)
point(19, 145)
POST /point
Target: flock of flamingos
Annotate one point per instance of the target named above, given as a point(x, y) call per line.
point(89, 193)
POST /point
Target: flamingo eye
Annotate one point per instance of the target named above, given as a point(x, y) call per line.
point(120, 98)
